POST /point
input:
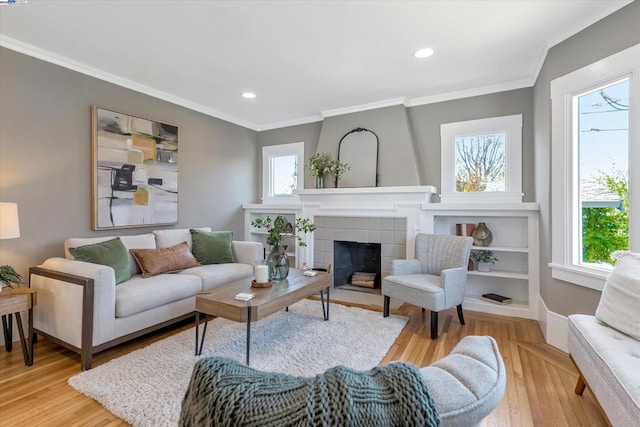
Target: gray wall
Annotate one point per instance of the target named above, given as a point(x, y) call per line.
point(396, 153)
point(426, 120)
point(45, 157)
point(410, 137)
point(606, 37)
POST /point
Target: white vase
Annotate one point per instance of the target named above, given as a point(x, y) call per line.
point(484, 266)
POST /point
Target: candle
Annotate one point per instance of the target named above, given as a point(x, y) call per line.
point(262, 274)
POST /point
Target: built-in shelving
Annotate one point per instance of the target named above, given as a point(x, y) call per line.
point(515, 243)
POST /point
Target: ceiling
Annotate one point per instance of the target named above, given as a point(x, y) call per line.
point(305, 60)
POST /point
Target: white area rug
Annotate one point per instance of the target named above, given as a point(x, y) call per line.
point(145, 387)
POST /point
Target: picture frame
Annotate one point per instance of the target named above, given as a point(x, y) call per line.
point(134, 171)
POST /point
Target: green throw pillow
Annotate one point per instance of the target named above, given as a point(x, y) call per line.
point(212, 247)
point(112, 253)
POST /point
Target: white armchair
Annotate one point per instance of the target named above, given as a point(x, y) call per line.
point(436, 280)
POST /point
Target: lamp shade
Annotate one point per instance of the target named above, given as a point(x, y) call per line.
point(9, 224)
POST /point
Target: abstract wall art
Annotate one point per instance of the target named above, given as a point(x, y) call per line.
point(134, 171)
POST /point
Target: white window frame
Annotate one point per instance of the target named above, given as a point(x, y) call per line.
point(511, 126)
point(270, 151)
point(565, 198)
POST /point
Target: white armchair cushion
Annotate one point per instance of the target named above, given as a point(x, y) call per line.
point(619, 305)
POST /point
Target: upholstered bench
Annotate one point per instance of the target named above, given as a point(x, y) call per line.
point(464, 386)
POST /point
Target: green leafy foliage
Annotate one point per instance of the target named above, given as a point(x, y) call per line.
point(8, 276)
point(279, 228)
point(606, 230)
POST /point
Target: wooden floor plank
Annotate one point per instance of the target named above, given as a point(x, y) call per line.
point(540, 378)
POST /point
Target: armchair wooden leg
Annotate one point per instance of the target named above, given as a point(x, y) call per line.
point(385, 310)
point(434, 325)
point(460, 315)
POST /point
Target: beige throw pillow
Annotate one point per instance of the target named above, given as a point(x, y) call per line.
point(619, 305)
point(165, 260)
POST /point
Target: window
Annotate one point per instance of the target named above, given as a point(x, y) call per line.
point(482, 160)
point(280, 170)
point(595, 178)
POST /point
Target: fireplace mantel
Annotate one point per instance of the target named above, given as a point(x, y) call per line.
point(368, 195)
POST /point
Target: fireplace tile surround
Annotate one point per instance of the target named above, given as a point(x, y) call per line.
point(391, 233)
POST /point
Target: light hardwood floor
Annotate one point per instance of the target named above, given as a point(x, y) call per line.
point(540, 378)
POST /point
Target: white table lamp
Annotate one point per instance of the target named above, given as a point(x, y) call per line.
point(9, 224)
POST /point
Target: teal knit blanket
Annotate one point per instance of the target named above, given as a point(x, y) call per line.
point(223, 392)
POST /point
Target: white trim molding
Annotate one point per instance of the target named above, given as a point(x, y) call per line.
point(566, 257)
point(511, 127)
point(554, 326)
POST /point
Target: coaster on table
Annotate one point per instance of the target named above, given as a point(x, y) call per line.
point(255, 284)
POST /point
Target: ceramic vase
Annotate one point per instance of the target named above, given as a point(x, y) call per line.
point(278, 262)
point(482, 235)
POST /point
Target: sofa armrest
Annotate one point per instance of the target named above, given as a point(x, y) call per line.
point(247, 252)
point(401, 267)
point(60, 310)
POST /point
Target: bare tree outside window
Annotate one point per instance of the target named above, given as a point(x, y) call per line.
point(480, 163)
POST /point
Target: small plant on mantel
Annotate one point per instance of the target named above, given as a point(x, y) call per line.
point(279, 228)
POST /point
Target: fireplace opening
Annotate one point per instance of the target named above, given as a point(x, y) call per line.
point(357, 266)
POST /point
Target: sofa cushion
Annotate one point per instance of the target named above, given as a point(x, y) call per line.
point(138, 241)
point(165, 260)
point(111, 253)
point(168, 238)
point(212, 247)
point(213, 275)
point(619, 305)
point(139, 294)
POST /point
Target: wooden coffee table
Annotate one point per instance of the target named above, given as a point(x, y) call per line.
point(221, 302)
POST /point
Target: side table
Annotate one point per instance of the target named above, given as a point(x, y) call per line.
point(14, 301)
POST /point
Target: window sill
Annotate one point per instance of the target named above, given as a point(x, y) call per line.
point(592, 278)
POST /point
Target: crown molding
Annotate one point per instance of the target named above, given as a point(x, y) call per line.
point(363, 107)
point(287, 123)
point(468, 93)
point(45, 55)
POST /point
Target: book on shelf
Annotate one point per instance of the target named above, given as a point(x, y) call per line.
point(495, 298)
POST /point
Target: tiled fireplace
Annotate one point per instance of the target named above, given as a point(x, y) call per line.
point(390, 216)
point(390, 233)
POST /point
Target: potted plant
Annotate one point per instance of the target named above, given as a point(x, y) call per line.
point(278, 229)
point(484, 259)
point(320, 165)
point(9, 277)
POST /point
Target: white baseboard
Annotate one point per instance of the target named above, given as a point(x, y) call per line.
point(554, 327)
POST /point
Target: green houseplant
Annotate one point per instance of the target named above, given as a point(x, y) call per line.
point(9, 277)
point(484, 259)
point(320, 165)
point(278, 229)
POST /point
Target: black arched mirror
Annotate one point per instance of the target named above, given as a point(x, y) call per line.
point(359, 148)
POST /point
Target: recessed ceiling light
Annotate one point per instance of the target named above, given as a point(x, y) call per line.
point(423, 53)
point(248, 95)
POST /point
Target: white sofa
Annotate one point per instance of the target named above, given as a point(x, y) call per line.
point(606, 347)
point(80, 306)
